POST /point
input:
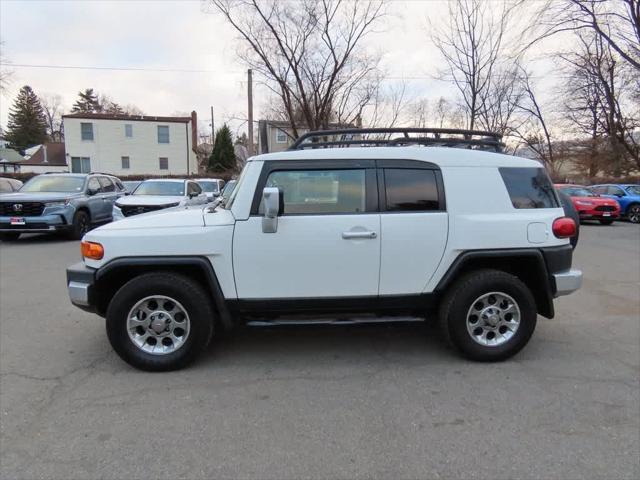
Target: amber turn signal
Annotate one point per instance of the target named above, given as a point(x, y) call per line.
point(92, 250)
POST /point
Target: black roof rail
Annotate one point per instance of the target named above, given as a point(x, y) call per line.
point(390, 137)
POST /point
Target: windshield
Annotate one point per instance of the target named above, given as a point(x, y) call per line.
point(633, 189)
point(228, 190)
point(208, 186)
point(577, 192)
point(234, 193)
point(54, 183)
point(160, 188)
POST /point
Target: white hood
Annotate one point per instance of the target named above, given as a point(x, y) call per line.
point(151, 200)
point(170, 217)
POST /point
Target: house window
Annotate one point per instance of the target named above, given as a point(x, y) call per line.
point(163, 134)
point(86, 131)
point(80, 164)
point(125, 162)
point(164, 163)
point(281, 136)
point(128, 130)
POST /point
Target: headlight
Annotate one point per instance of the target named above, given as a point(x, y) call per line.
point(584, 204)
point(61, 203)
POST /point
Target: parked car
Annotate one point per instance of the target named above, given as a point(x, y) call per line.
point(8, 185)
point(628, 196)
point(571, 212)
point(475, 239)
point(158, 194)
point(591, 206)
point(211, 186)
point(60, 202)
point(131, 185)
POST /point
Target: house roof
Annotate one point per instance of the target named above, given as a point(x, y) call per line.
point(55, 156)
point(130, 118)
point(8, 155)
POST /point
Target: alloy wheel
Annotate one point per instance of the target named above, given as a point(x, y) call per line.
point(493, 319)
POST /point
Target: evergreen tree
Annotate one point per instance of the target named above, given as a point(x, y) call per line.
point(87, 102)
point(223, 157)
point(27, 125)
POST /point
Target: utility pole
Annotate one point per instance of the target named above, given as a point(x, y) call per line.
point(250, 113)
point(213, 130)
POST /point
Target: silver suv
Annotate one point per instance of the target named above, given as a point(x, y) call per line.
point(62, 202)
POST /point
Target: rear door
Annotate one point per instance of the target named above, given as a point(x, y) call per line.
point(413, 224)
point(109, 194)
point(327, 243)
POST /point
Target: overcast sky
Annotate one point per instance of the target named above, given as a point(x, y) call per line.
point(197, 49)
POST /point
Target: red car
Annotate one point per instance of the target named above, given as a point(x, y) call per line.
point(591, 206)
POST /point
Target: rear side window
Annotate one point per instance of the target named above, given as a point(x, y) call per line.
point(106, 184)
point(410, 190)
point(529, 187)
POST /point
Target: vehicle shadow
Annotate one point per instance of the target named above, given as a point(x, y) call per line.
point(38, 238)
point(298, 345)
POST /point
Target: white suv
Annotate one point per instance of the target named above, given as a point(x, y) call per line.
point(410, 228)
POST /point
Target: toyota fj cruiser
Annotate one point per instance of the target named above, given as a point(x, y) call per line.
point(365, 224)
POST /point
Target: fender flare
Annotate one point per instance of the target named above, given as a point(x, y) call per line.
point(201, 263)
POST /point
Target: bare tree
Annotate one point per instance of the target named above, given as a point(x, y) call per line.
point(53, 110)
point(471, 43)
point(615, 22)
point(5, 74)
point(309, 53)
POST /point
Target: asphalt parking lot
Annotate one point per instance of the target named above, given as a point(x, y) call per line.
point(331, 402)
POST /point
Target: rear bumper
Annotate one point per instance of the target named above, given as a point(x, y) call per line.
point(567, 282)
point(80, 283)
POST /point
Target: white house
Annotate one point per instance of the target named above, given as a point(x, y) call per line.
point(277, 135)
point(131, 145)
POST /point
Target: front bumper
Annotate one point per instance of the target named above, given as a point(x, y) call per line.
point(43, 223)
point(80, 284)
point(567, 282)
point(598, 214)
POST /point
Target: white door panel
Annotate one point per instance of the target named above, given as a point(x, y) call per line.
point(412, 247)
point(308, 257)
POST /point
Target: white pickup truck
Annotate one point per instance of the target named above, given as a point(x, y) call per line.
point(365, 229)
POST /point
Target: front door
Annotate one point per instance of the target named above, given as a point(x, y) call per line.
point(327, 242)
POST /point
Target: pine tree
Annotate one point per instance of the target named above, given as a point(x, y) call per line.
point(223, 157)
point(87, 102)
point(27, 125)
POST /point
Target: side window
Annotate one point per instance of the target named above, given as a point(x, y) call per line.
point(320, 191)
point(615, 191)
point(410, 190)
point(193, 188)
point(599, 190)
point(119, 185)
point(106, 184)
point(94, 184)
point(529, 187)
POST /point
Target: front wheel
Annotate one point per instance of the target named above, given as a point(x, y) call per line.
point(80, 226)
point(633, 213)
point(488, 315)
point(160, 321)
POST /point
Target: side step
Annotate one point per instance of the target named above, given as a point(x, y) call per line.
point(333, 321)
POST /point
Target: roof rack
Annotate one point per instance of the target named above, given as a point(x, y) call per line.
point(391, 137)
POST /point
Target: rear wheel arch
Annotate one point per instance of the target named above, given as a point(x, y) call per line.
point(528, 265)
point(116, 273)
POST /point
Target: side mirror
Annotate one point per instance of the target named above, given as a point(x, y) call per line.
point(271, 200)
point(192, 195)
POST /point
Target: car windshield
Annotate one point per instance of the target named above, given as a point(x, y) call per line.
point(633, 189)
point(54, 183)
point(130, 186)
point(228, 190)
point(160, 188)
point(577, 192)
point(208, 186)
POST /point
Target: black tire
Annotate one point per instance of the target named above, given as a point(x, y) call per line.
point(462, 295)
point(81, 225)
point(188, 293)
point(633, 213)
point(606, 221)
point(9, 236)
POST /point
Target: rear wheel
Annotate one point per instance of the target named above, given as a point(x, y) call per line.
point(633, 213)
point(606, 221)
point(488, 315)
point(80, 226)
point(160, 321)
point(9, 236)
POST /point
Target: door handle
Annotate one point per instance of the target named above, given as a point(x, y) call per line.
point(354, 235)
